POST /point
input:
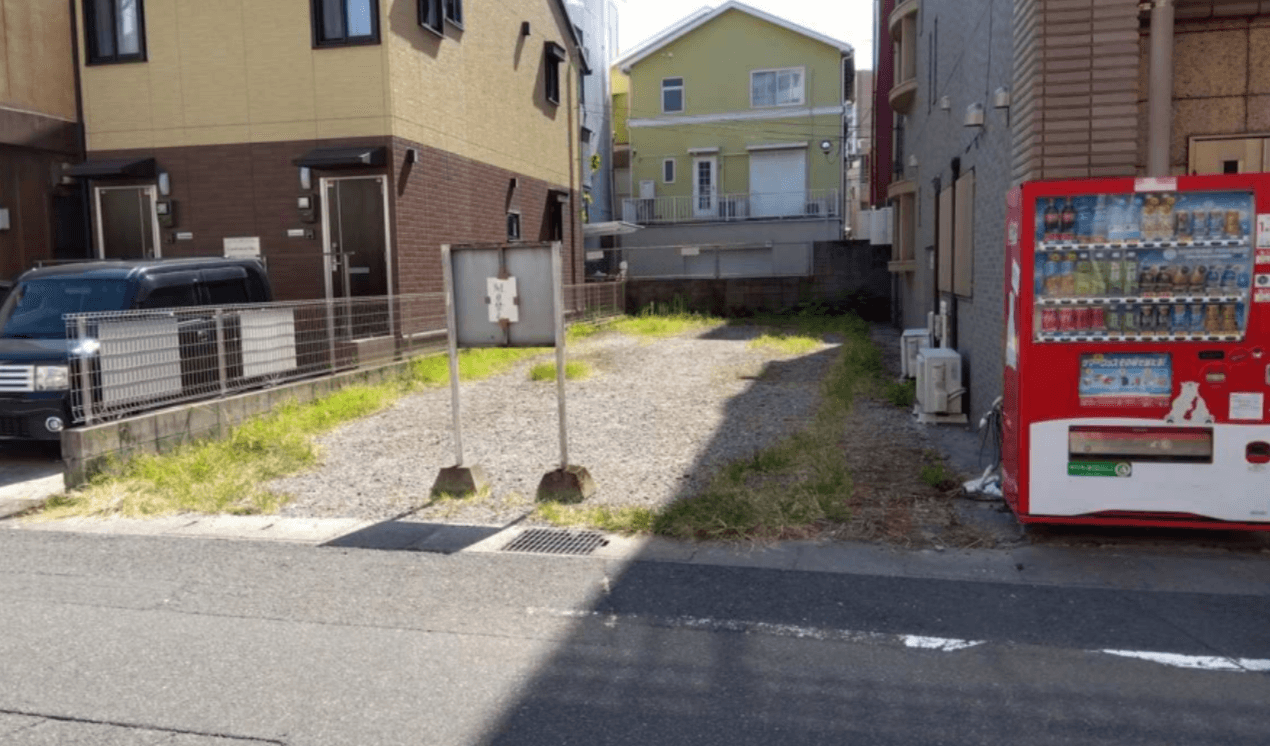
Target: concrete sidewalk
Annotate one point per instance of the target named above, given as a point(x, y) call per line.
point(1173, 568)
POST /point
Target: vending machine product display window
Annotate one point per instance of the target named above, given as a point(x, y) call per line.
point(1142, 266)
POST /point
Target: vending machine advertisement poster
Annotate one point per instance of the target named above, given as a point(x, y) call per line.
point(1126, 380)
point(1138, 357)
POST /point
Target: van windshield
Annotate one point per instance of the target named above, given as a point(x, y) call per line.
point(34, 309)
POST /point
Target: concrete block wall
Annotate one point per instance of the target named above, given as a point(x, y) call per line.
point(851, 272)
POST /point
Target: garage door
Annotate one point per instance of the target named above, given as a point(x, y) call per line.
point(778, 183)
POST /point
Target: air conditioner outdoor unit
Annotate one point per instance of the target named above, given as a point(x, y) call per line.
point(911, 341)
point(939, 390)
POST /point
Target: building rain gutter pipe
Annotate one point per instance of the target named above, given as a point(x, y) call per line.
point(1160, 90)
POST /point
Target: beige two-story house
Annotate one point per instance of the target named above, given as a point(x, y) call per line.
point(343, 140)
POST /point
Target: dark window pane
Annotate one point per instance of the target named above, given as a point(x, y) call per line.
point(430, 14)
point(225, 292)
point(672, 100)
point(454, 10)
point(332, 20)
point(171, 297)
point(129, 25)
point(104, 28)
point(553, 80)
point(359, 18)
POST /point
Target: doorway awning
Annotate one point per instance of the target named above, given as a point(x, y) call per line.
point(114, 168)
point(334, 158)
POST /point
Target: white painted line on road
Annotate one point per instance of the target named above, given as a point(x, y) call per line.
point(916, 642)
point(938, 643)
point(941, 644)
point(1200, 662)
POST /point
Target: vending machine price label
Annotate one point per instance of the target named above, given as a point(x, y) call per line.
point(1247, 406)
point(1263, 231)
point(1121, 469)
point(1263, 253)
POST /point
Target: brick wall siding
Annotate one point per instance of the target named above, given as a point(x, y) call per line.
point(250, 189)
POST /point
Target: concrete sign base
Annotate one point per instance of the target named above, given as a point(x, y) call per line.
point(460, 480)
point(569, 485)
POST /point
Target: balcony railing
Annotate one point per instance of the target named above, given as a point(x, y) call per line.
point(813, 203)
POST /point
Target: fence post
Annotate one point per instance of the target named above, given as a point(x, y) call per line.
point(85, 372)
point(220, 352)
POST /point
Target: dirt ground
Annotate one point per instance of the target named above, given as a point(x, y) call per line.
point(885, 451)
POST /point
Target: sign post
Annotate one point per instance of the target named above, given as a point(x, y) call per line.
point(507, 295)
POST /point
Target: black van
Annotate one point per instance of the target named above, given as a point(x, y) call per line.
point(35, 364)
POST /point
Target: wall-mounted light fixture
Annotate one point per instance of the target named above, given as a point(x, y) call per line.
point(1001, 98)
point(826, 146)
point(945, 103)
point(4, 218)
point(165, 184)
point(412, 155)
point(524, 28)
point(912, 161)
point(306, 178)
point(974, 115)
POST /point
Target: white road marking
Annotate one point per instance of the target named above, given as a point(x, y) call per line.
point(1200, 662)
point(765, 628)
point(938, 643)
point(918, 642)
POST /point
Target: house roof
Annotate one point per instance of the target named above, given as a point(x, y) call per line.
point(706, 15)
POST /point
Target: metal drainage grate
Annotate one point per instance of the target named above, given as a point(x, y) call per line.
point(556, 541)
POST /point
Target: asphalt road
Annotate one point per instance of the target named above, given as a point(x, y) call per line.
point(139, 640)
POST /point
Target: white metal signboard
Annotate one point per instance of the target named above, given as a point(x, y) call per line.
point(502, 300)
point(242, 248)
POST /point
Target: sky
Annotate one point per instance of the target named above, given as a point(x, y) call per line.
point(848, 20)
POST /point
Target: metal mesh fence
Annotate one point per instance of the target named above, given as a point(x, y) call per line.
point(125, 362)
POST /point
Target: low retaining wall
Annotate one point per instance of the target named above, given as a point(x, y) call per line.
point(88, 450)
point(851, 274)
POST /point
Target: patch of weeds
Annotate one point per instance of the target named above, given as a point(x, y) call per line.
point(785, 344)
point(222, 476)
point(935, 473)
point(663, 320)
point(628, 520)
point(900, 393)
point(474, 364)
point(574, 370)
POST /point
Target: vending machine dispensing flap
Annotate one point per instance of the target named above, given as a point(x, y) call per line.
point(1167, 444)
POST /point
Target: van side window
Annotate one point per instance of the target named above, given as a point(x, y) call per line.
point(170, 297)
point(225, 292)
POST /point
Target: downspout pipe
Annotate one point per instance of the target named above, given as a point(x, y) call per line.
point(1160, 90)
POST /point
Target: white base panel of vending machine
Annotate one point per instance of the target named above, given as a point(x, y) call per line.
point(1228, 489)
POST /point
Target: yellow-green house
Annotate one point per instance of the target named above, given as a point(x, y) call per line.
point(733, 115)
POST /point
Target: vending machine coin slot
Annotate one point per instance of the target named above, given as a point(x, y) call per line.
point(1258, 452)
point(1212, 355)
point(1215, 375)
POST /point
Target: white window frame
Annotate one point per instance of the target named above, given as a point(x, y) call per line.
point(674, 171)
point(683, 95)
point(802, 86)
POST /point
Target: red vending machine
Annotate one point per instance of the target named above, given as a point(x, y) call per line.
point(1136, 365)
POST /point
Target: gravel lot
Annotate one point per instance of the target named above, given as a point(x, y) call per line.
point(651, 424)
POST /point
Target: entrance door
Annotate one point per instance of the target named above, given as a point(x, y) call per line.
point(356, 244)
point(778, 183)
point(705, 187)
point(127, 225)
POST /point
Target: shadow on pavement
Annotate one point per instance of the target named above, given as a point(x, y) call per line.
point(395, 535)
